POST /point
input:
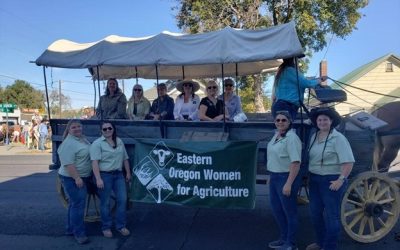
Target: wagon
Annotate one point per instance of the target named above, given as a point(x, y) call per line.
point(370, 207)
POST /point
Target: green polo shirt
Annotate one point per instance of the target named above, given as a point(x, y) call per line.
point(109, 158)
point(75, 151)
point(337, 152)
point(281, 153)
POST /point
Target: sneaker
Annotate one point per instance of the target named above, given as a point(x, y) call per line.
point(276, 244)
point(313, 246)
point(288, 247)
point(82, 239)
point(107, 233)
point(124, 231)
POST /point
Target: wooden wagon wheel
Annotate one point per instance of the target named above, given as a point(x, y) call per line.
point(370, 207)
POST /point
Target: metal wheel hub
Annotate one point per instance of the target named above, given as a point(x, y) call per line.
point(373, 209)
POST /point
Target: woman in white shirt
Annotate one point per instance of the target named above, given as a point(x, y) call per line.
point(187, 103)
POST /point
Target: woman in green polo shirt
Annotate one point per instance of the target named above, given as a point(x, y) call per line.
point(284, 156)
point(330, 163)
point(75, 175)
point(108, 155)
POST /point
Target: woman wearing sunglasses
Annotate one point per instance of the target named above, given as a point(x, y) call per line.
point(212, 109)
point(75, 174)
point(284, 156)
point(232, 101)
point(138, 105)
point(187, 103)
point(108, 155)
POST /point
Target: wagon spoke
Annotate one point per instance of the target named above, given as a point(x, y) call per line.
point(382, 192)
point(388, 200)
point(371, 225)
point(374, 188)
point(383, 224)
point(355, 211)
point(366, 191)
point(355, 220)
point(354, 202)
point(388, 212)
point(362, 225)
point(359, 194)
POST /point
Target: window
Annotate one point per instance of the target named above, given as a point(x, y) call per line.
point(389, 67)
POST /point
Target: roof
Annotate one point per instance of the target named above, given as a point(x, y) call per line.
point(177, 56)
point(360, 71)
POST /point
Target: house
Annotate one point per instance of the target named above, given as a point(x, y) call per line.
point(381, 75)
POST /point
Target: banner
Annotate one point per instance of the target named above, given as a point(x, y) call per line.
point(201, 174)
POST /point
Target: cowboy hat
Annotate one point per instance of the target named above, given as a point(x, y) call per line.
point(330, 112)
point(179, 85)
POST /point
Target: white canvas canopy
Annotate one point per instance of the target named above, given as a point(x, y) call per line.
point(175, 56)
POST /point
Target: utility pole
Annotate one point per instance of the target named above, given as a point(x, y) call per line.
point(59, 95)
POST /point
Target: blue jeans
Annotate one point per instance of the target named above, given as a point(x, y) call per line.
point(76, 205)
point(284, 208)
point(325, 209)
point(113, 181)
point(281, 105)
point(42, 140)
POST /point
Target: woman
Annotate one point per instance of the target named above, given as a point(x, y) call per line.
point(211, 109)
point(232, 101)
point(288, 85)
point(284, 156)
point(108, 154)
point(330, 163)
point(112, 105)
point(75, 174)
point(187, 103)
point(138, 105)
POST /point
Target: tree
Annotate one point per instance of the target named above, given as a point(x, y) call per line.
point(315, 19)
point(23, 95)
point(54, 99)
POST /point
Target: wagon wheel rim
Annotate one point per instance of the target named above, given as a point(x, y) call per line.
point(370, 207)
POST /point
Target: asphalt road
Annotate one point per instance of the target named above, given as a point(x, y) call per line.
point(32, 217)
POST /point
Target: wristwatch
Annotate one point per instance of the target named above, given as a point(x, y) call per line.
point(342, 178)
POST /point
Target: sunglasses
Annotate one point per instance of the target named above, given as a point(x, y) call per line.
point(187, 85)
point(228, 85)
point(212, 87)
point(108, 128)
point(281, 120)
point(139, 90)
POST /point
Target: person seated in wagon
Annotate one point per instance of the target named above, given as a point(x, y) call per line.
point(162, 108)
point(187, 103)
point(138, 105)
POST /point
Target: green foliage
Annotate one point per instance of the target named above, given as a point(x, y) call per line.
point(23, 95)
point(54, 99)
point(315, 20)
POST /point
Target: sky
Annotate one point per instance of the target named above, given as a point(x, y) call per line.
point(27, 28)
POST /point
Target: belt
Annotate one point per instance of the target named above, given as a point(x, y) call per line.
point(111, 172)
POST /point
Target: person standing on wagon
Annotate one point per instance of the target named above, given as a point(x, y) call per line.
point(108, 155)
point(330, 163)
point(75, 174)
point(285, 91)
point(112, 105)
point(283, 163)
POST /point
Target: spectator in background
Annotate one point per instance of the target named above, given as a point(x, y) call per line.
point(138, 105)
point(36, 117)
point(43, 132)
point(232, 101)
point(162, 108)
point(25, 133)
point(112, 105)
point(187, 103)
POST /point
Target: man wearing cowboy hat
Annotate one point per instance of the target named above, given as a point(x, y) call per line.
point(187, 103)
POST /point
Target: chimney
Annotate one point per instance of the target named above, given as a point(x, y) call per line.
point(323, 71)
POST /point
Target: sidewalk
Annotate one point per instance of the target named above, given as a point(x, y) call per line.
point(20, 149)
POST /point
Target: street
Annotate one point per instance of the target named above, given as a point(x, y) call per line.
point(32, 217)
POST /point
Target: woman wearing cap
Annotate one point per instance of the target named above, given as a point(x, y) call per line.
point(75, 174)
point(108, 155)
point(187, 103)
point(284, 156)
point(112, 105)
point(212, 109)
point(285, 92)
point(330, 163)
point(232, 101)
point(138, 105)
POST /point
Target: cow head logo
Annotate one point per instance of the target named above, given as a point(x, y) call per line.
point(161, 154)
